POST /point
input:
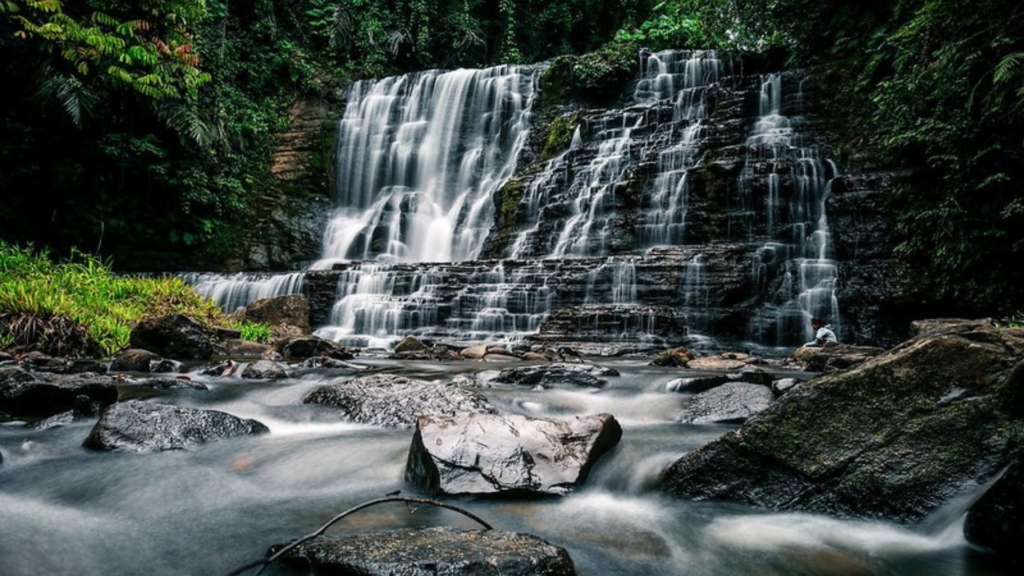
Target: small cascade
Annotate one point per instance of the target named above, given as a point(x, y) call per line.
point(583, 233)
point(617, 274)
point(376, 303)
point(696, 294)
point(419, 158)
point(795, 181)
point(670, 73)
point(235, 291)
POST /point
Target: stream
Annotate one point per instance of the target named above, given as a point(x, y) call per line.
point(65, 510)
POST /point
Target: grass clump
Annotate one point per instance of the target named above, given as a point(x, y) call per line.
point(254, 331)
point(41, 301)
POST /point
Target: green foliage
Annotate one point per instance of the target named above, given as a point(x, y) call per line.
point(83, 290)
point(254, 331)
point(559, 137)
point(148, 48)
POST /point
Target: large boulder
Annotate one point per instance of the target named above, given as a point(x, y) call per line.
point(436, 551)
point(894, 438)
point(834, 357)
point(137, 426)
point(174, 336)
point(396, 401)
point(588, 375)
point(40, 394)
point(287, 316)
point(731, 403)
point(996, 521)
point(488, 454)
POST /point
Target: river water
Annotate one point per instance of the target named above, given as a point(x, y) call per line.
point(65, 510)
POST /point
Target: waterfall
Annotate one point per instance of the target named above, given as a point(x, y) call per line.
point(803, 259)
point(419, 158)
point(654, 224)
point(232, 292)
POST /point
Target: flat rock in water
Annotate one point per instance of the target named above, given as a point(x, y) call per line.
point(488, 454)
point(587, 375)
point(673, 357)
point(896, 438)
point(137, 426)
point(25, 393)
point(724, 363)
point(396, 401)
point(734, 402)
point(434, 552)
point(309, 346)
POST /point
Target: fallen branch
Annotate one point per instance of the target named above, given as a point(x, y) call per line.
point(267, 561)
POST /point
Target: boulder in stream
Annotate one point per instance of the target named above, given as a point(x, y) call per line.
point(586, 375)
point(287, 316)
point(136, 426)
point(674, 357)
point(134, 360)
point(40, 394)
point(436, 551)
point(175, 336)
point(303, 347)
point(490, 454)
point(264, 370)
point(895, 438)
point(731, 403)
point(396, 401)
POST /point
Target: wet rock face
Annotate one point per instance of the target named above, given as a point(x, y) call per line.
point(395, 401)
point(175, 336)
point(37, 394)
point(585, 375)
point(996, 521)
point(436, 551)
point(894, 438)
point(136, 426)
point(489, 454)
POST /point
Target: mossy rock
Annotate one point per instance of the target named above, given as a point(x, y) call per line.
point(895, 438)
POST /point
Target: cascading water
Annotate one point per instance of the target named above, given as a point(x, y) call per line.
point(419, 158)
point(232, 292)
point(685, 77)
point(808, 272)
point(423, 159)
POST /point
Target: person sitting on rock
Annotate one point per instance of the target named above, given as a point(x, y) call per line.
point(823, 333)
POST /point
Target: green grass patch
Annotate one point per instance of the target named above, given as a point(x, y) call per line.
point(84, 290)
point(254, 331)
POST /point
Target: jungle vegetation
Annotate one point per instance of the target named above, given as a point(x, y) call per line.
point(149, 124)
